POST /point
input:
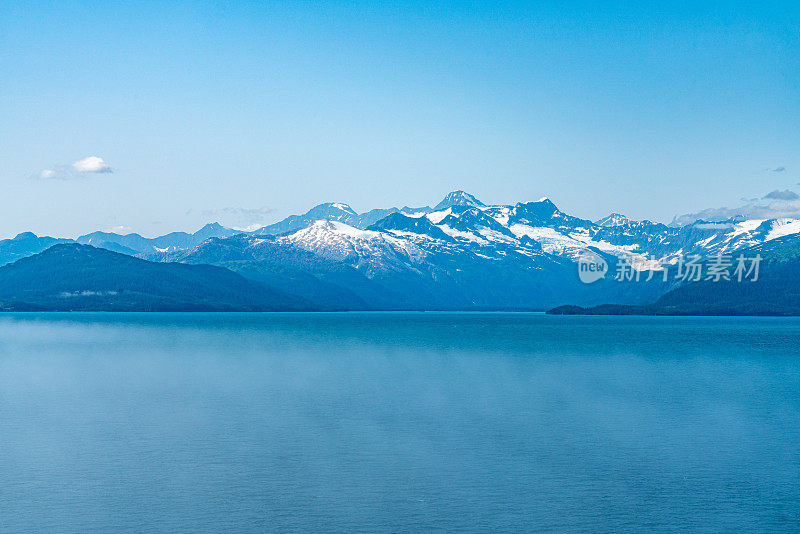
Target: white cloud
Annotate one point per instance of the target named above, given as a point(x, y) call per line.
point(246, 219)
point(91, 164)
point(82, 167)
point(775, 205)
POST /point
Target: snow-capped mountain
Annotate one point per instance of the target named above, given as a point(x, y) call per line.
point(372, 252)
point(338, 211)
point(615, 219)
point(330, 211)
point(461, 253)
point(458, 220)
point(458, 198)
point(464, 255)
point(495, 255)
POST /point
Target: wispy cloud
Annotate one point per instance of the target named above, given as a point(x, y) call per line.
point(779, 169)
point(782, 195)
point(82, 167)
point(774, 205)
point(246, 219)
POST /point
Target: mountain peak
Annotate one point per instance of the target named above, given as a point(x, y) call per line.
point(458, 198)
point(213, 230)
point(615, 219)
point(331, 210)
point(25, 235)
point(210, 228)
point(340, 206)
point(545, 201)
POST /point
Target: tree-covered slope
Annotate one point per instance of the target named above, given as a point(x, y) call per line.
point(81, 277)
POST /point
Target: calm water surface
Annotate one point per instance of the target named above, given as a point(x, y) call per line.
point(398, 422)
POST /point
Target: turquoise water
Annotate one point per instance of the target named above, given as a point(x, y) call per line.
point(398, 422)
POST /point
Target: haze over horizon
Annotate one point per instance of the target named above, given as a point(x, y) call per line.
point(153, 118)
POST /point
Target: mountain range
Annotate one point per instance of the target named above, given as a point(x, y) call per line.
point(459, 254)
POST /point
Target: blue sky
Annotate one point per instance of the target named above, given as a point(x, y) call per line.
point(249, 111)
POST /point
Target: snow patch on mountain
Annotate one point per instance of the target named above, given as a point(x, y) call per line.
point(369, 250)
point(437, 216)
point(552, 242)
point(615, 219)
point(499, 213)
point(746, 227)
point(459, 234)
point(783, 227)
point(342, 206)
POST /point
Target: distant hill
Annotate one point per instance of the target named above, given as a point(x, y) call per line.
point(136, 244)
point(80, 277)
point(25, 244)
